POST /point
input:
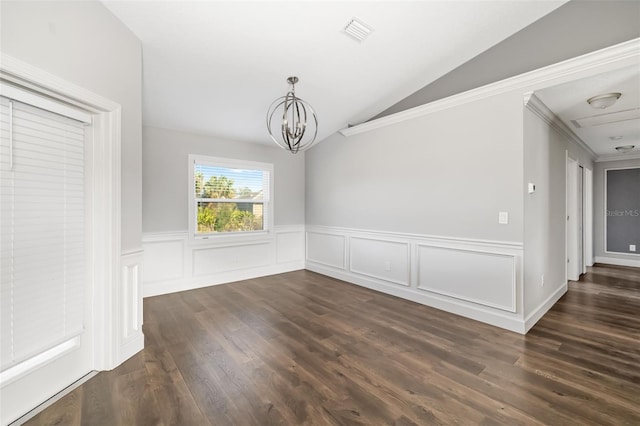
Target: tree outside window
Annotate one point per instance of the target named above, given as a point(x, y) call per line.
point(229, 199)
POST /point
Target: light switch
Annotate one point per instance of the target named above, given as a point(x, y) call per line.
point(531, 188)
point(503, 218)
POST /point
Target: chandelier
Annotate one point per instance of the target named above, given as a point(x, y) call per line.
point(289, 121)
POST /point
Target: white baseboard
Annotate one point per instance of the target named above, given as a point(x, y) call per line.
point(174, 263)
point(55, 398)
point(458, 307)
point(477, 279)
point(544, 307)
point(618, 262)
point(190, 283)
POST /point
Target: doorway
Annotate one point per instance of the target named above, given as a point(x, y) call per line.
point(36, 370)
point(579, 218)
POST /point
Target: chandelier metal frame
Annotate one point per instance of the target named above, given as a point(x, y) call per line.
point(292, 132)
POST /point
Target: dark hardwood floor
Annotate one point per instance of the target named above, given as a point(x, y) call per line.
point(301, 348)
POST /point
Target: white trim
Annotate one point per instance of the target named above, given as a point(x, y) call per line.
point(604, 214)
point(514, 272)
point(27, 366)
point(130, 337)
point(432, 239)
point(588, 219)
point(406, 283)
point(619, 262)
point(544, 307)
point(24, 74)
point(535, 105)
point(105, 188)
point(509, 317)
point(103, 210)
point(170, 254)
point(132, 252)
point(618, 157)
point(345, 248)
point(614, 56)
point(572, 224)
point(452, 305)
point(21, 95)
point(57, 397)
point(279, 250)
point(195, 251)
point(165, 287)
point(238, 237)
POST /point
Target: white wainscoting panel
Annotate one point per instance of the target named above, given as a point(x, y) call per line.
point(130, 337)
point(326, 249)
point(214, 260)
point(380, 259)
point(478, 279)
point(164, 259)
point(288, 246)
point(173, 262)
point(485, 278)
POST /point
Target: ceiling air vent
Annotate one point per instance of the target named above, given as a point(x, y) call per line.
point(613, 117)
point(357, 29)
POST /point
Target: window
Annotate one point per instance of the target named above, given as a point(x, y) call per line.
point(229, 196)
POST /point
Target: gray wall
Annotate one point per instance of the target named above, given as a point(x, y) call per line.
point(622, 206)
point(82, 42)
point(544, 210)
point(165, 176)
point(573, 29)
point(599, 208)
point(448, 173)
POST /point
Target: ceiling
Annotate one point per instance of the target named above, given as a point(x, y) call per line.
point(213, 67)
point(569, 102)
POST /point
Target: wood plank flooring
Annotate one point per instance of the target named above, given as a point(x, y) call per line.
point(301, 348)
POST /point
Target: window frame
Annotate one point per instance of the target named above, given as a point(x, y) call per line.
point(194, 160)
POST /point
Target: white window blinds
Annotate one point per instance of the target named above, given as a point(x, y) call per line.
point(230, 196)
point(42, 230)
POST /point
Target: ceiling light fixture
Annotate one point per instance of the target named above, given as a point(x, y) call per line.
point(296, 131)
point(604, 101)
point(625, 148)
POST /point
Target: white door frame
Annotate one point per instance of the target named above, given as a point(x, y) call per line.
point(579, 230)
point(570, 213)
point(588, 218)
point(104, 228)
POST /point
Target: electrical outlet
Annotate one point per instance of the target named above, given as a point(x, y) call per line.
point(503, 218)
point(632, 247)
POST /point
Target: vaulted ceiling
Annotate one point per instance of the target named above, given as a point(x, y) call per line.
point(214, 67)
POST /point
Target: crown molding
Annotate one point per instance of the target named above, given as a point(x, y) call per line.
point(613, 57)
point(618, 157)
point(535, 105)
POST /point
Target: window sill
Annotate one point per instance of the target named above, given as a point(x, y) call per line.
point(232, 239)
